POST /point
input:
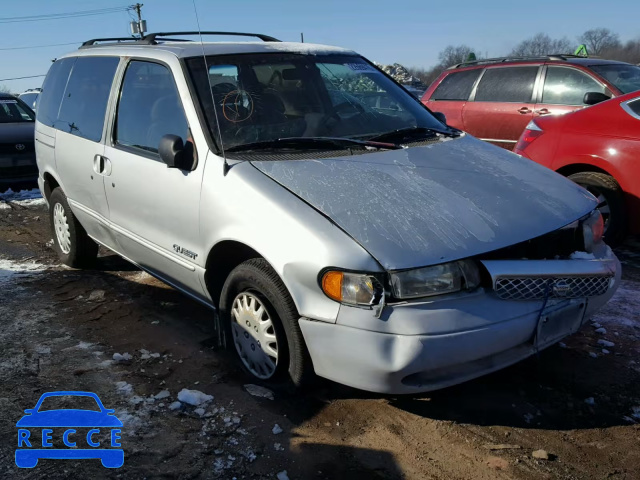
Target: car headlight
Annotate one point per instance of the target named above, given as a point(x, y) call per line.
point(352, 288)
point(592, 230)
point(436, 280)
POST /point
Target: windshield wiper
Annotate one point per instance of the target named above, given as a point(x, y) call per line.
point(300, 143)
point(413, 133)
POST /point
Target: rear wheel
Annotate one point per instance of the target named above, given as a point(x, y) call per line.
point(610, 202)
point(262, 324)
point(70, 239)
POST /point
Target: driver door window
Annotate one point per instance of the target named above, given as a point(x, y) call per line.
point(567, 86)
point(149, 108)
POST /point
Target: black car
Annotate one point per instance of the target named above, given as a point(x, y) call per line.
point(18, 168)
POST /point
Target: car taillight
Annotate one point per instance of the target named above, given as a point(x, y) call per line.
point(531, 132)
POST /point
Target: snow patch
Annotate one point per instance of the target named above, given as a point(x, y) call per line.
point(163, 394)
point(606, 343)
point(277, 429)
point(124, 388)
point(193, 397)
point(10, 270)
point(125, 357)
point(24, 198)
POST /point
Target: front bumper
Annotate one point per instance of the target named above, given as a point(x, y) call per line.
point(18, 172)
point(427, 345)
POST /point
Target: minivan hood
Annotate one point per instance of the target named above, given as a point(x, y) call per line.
point(18, 132)
point(431, 204)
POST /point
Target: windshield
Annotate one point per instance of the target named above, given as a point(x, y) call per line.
point(13, 110)
point(625, 77)
point(266, 97)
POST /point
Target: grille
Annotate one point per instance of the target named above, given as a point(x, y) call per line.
point(22, 171)
point(10, 148)
point(529, 288)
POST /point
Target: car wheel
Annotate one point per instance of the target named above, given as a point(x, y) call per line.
point(610, 202)
point(70, 239)
point(262, 327)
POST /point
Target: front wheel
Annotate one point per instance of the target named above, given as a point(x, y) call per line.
point(610, 202)
point(262, 325)
point(70, 239)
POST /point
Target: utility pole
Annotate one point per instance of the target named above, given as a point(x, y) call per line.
point(301, 37)
point(140, 26)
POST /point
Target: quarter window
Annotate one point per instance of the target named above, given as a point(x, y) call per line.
point(567, 86)
point(511, 84)
point(84, 103)
point(52, 90)
point(149, 107)
point(633, 107)
point(456, 86)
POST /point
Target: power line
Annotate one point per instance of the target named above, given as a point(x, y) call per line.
point(58, 16)
point(20, 78)
point(41, 46)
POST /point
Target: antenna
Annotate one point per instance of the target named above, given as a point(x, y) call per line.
point(225, 165)
point(302, 37)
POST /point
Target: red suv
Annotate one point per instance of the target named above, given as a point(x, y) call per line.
point(495, 99)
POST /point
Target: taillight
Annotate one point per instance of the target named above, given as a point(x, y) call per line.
point(531, 132)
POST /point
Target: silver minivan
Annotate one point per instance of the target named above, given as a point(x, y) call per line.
point(333, 223)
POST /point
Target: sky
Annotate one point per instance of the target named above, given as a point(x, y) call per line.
point(410, 32)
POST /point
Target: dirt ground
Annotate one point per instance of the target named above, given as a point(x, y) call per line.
point(59, 329)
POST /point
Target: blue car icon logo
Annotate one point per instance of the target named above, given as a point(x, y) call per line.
point(85, 433)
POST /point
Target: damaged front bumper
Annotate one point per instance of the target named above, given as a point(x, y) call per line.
point(432, 343)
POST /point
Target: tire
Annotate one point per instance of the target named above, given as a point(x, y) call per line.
point(606, 189)
point(70, 239)
point(255, 279)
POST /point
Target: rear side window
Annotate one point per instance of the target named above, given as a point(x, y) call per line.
point(85, 99)
point(567, 86)
point(633, 107)
point(510, 84)
point(456, 86)
point(52, 90)
point(149, 107)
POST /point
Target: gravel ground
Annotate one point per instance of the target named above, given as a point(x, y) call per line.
point(573, 412)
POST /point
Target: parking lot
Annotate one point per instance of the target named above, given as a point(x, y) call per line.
point(578, 402)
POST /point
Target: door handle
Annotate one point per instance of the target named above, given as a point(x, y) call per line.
point(524, 110)
point(543, 111)
point(98, 164)
point(102, 165)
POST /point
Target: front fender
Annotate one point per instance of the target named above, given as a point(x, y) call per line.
point(248, 207)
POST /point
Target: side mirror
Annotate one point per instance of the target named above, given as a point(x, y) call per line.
point(591, 98)
point(29, 411)
point(175, 153)
point(440, 117)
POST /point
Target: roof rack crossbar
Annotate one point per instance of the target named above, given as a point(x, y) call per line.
point(555, 56)
point(93, 41)
point(150, 39)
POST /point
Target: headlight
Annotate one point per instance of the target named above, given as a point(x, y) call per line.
point(436, 280)
point(592, 230)
point(352, 288)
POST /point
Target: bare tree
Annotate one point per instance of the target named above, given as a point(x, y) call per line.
point(629, 52)
point(541, 44)
point(454, 54)
point(599, 39)
point(4, 89)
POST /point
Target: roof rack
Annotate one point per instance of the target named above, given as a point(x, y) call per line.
point(154, 38)
point(554, 56)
